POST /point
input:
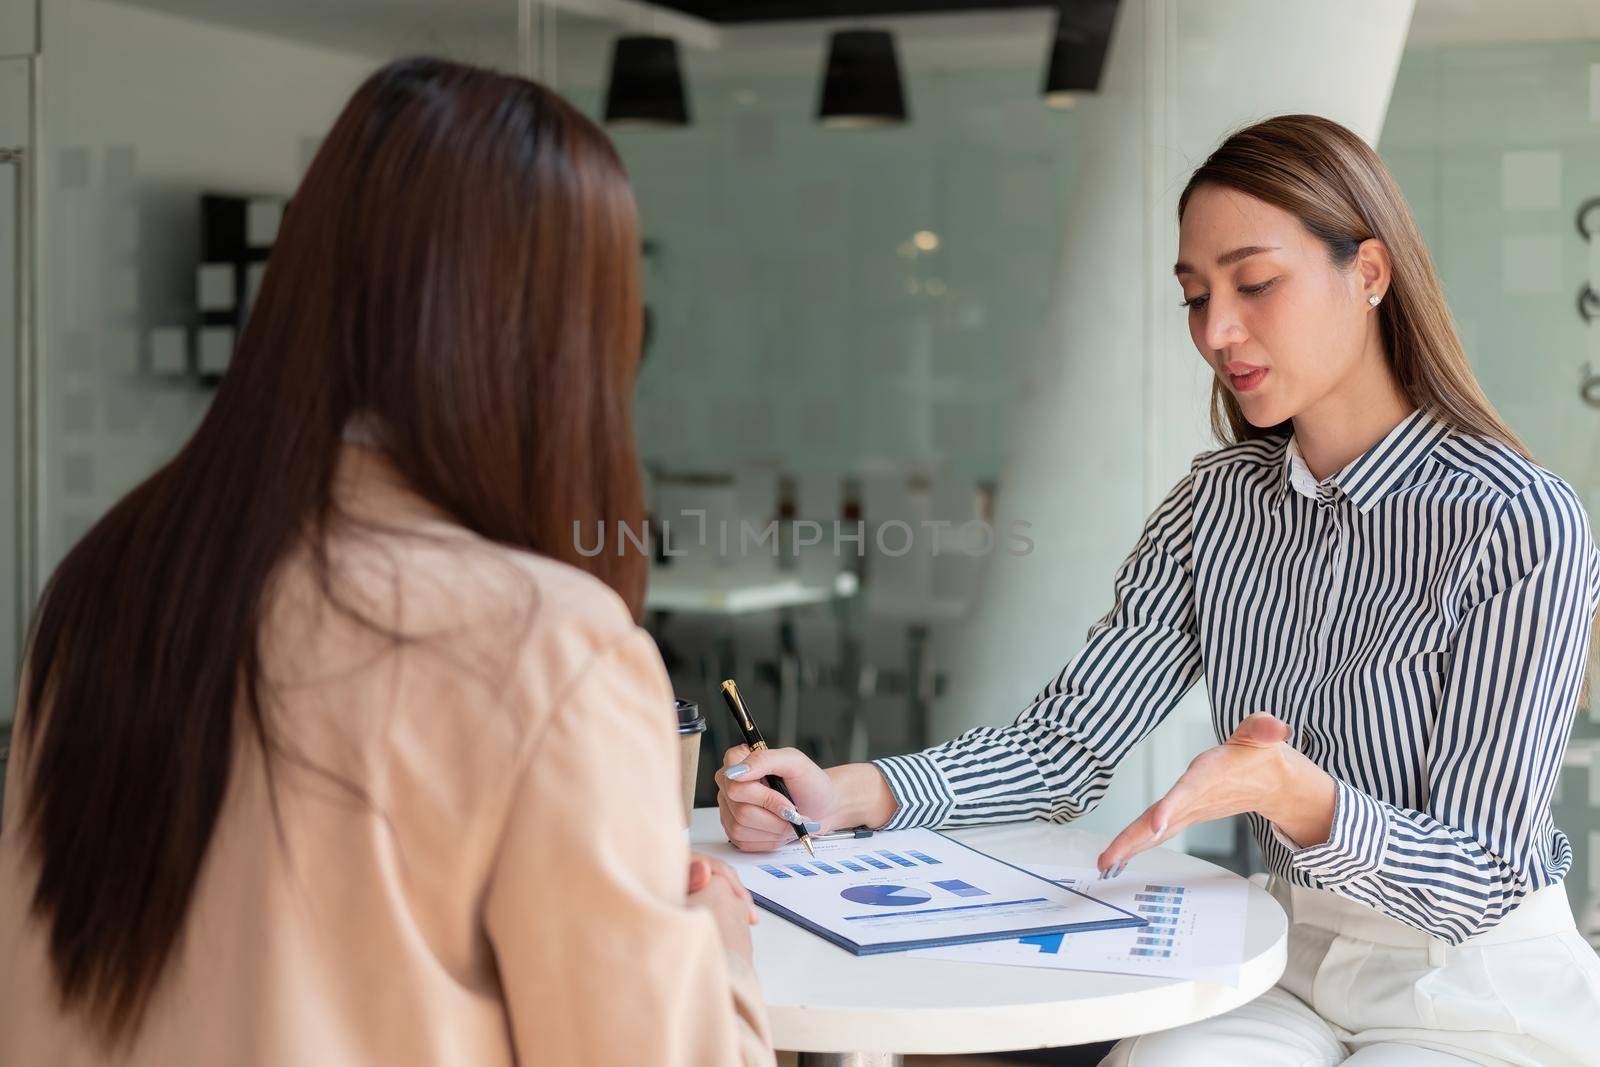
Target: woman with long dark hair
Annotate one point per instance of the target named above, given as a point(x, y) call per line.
point(1390, 604)
point(318, 723)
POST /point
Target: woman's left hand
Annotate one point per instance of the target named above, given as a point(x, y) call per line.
point(1252, 770)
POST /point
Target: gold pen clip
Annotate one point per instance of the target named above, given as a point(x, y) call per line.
point(732, 692)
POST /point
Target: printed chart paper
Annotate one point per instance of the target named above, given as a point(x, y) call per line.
point(911, 889)
point(1195, 929)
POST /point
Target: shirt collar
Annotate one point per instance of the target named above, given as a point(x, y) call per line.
point(1374, 474)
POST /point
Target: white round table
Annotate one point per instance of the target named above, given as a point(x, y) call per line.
point(837, 1008)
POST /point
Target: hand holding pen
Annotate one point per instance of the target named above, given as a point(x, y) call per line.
point(764, 793)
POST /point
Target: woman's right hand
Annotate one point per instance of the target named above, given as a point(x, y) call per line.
point(758, 818)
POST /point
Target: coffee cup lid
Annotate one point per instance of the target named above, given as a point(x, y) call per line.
point(690, 721)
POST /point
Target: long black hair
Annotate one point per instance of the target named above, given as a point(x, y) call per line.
point(461, 261)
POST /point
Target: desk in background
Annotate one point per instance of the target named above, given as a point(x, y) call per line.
point(735, 591)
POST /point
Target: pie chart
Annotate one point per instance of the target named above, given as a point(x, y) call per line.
point(885, 896)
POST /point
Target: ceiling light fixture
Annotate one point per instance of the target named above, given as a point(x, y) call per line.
point(646, 84)
point(1078, 52)
point(861, 86)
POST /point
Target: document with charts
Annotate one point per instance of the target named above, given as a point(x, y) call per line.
point(909, 889)
point(1195, 929)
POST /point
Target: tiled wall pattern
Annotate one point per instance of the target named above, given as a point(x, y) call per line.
point(145, 112)
point(1496, 147)
point(840, 300)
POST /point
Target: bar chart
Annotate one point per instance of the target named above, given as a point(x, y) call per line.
point(866, 863)
point(1160, 906)
point(1192, 929)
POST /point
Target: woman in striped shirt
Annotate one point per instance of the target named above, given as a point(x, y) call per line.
point(1390, 604)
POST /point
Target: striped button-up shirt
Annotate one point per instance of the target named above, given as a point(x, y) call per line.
point(1420, 620)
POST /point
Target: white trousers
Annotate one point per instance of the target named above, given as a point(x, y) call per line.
point(1364, 990)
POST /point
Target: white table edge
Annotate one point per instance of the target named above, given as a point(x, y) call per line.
point(962, 1031)
point(1166, 1003)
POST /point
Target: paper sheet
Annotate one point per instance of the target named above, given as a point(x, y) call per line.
point(1195, 931)
point(907, 888)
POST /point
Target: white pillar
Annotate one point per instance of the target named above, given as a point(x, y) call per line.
point(1116, 407)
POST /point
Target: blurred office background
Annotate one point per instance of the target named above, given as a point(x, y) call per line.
point(942, 320)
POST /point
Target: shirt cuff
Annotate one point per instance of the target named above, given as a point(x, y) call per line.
point(1355, 842)
point(918, 787)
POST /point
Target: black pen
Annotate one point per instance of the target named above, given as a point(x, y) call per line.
point(757, 743)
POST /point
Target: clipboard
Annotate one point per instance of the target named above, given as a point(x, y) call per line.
point(911, 889)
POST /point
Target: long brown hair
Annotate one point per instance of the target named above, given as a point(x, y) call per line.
point(460, 262)
point(1335, 184)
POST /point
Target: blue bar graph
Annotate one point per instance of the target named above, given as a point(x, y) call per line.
point(807, 871)
point(1160, 905)
point(895, 857)
point(920, 856)
point(875, 862)
point(961, 889)
point(775, 872)
point(819, 865)
point(853, 866)
point(1047, 944)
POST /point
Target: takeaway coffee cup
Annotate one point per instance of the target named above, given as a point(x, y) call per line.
point(691, 724)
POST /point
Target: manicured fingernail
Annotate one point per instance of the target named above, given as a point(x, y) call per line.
point(812, 826)
point(790, 815)
point(737, 771)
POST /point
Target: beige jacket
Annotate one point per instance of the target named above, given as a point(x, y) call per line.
point(482, 860)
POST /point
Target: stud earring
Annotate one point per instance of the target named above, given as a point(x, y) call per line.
point(1373, 299)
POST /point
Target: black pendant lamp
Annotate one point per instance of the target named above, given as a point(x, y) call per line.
point(1078, 52)
point(861, 87)
point(646, 87)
